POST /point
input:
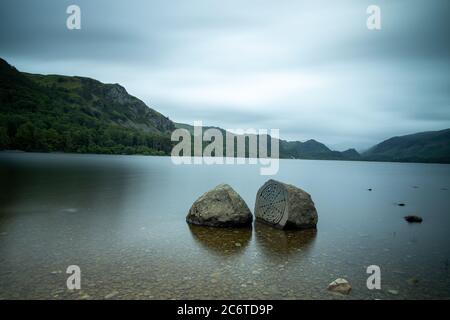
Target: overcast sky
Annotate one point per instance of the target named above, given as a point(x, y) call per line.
point(309, 68)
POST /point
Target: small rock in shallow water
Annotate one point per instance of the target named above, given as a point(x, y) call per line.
point(401, 204)
point(70, 210)
point(111, 295)
point(394, 292)
point(412, 219)
point(413, 281)
point(340, 285)
point(56, 272)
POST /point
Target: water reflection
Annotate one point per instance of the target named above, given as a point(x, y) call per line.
point(222, 241)
point(122, 220)
point(61, 183)
point(279, 243)
point(60, 202)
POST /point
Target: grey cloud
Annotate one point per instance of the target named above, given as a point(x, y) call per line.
point(309, 68)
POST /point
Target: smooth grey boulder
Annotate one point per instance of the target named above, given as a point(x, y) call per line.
point(220, 207)
point(285, 206)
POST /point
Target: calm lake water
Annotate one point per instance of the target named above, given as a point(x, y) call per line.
point(122, 220)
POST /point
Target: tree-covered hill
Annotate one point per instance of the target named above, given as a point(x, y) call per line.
point(431, 146)
point(75, 114)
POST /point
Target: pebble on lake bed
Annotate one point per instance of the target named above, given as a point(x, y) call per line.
point(393, 292)
point(111, 295)
point(340, 285)
point(413, 281)
point(56, 272)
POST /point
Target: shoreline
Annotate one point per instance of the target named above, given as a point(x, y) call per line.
point(150, 155)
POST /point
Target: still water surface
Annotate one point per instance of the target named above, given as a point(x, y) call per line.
point(122, 220)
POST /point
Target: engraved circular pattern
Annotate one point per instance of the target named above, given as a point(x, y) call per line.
point(272, 203)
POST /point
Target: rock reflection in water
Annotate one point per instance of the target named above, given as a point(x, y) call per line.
point(280, 243)
point(222, 241)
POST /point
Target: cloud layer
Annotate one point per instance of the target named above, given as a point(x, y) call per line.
point(310, 68)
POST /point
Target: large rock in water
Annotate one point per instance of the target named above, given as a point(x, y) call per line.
point(285, 206)
point(220, 207)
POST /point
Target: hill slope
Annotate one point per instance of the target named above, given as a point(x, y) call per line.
point(76, 114)
point(431, 146)
point(310, 149)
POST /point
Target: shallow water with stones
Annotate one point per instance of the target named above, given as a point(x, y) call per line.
point(121, 219)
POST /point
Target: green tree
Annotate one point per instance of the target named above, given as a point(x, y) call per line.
point(52, 140)
point(4, 139)
point(25, 137)
point(77, 140)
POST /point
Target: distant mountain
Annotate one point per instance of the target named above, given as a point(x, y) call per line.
point(431, 146)
point(351, 154)
point(76, 114)
point(310, 149)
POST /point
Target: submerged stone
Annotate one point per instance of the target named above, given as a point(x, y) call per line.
point(220, 207)
point(111, 295)
point(340, 285)
point(285, 206)
point(394, 292)
point(413, 219)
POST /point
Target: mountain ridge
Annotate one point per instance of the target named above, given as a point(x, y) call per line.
point(76, 114)
point(79, 114)
point(427, 146)
point(310, 149)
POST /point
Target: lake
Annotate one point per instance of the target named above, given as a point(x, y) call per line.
point(121, 219)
